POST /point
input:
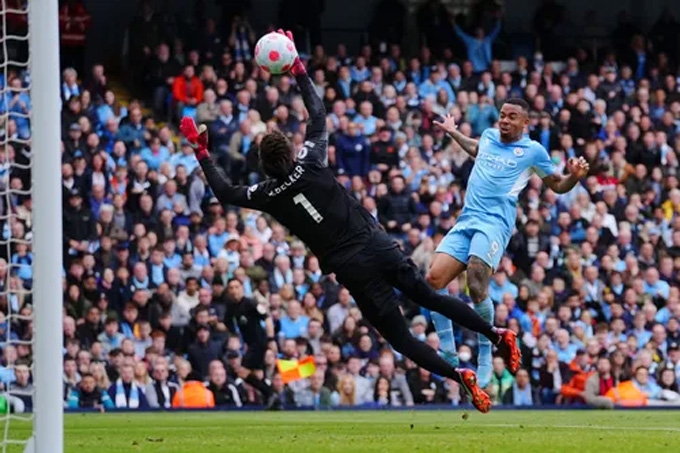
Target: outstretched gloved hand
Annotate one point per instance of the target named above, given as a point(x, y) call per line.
point(196, 136)
point(298, 68)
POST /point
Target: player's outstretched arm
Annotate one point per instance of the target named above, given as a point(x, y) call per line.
point(469, 145)
point(225, 192)
point(316, 126)
point(578, 169)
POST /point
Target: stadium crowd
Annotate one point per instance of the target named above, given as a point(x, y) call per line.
point(154, 266)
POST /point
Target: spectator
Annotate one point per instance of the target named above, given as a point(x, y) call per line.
point(398, 208)
point(23, 388)
point(133, 132)
point(566, 350)
point(225, 393)
point(647, 386)
point(580, 369)
point(110, 338)
point(397, 383)
point(155, 154)
point(598, 384)
point(520, 394)
point(384, 154)
point(187, 92)
point(479, 46)
point(426, 389)
point(208, 110)
point(160, 392)
point(89, 395)
point(74, 22)
point(193, 395)
point(501, 381)
point(223, 127)
point(203, 351)
point(353, 152)
point(347, 390)
point(339, 311)
point(125, 393)
point(316, 395)
point(500, 286)
point(294, 324)
point(70, 86)
point(17, 103)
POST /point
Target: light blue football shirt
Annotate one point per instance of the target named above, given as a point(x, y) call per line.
point(500, 173)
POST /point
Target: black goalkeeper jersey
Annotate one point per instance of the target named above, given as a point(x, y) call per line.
point(310, 202)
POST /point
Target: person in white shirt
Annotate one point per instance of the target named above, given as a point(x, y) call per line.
point(339, 311)
point(188, 299)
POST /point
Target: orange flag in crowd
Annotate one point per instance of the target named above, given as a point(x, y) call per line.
point(294, 370)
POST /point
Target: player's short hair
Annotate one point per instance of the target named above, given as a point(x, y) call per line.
point(521, 103)
point(276, 156)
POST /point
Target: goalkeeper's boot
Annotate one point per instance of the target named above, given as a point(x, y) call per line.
point(509, 350)
point(478, 397)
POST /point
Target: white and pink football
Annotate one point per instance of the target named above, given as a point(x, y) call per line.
point(275, 53)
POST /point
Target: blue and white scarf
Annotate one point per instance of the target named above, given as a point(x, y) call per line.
point(122, 401)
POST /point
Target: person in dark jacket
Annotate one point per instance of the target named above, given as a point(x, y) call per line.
point(546, 133)
point(581, 123)
point(160, 78)
point(398, 210)
point(525, 245)
point(226, 393)
point(79, 225)
point(353, 152)
point(203, 351)
point(89, 330)
point(384, 154)
point(426, 389)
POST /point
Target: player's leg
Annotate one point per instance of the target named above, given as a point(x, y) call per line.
point(251, 371)
point(444, 268)
point(379, 306)
point(478, 276)
point(485, 254)
point(403, 274)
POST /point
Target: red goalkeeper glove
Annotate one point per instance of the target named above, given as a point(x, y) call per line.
point(298, 68)
point(196, 136)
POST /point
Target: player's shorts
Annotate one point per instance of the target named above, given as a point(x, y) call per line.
point(368, 275)
point(253, 359)
point(465, 240)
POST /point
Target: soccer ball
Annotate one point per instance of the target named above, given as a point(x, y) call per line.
point(275, 53)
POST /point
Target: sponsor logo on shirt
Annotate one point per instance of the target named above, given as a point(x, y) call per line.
point(496, 162)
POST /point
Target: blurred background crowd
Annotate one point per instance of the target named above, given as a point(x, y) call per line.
point(157, 271)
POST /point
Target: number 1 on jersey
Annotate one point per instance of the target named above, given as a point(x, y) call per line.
point(311, 210)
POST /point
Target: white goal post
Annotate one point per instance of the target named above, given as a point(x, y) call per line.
point(48, 424)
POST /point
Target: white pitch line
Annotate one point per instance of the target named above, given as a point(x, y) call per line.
point(584, 427)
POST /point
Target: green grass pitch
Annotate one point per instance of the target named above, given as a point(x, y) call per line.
point(365, 432)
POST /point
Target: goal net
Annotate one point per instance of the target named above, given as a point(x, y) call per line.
point(30, 346)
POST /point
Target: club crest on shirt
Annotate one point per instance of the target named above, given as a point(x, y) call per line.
point(519, 152)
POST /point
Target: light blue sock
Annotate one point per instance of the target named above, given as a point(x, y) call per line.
point(444, 326)
point(484, 357)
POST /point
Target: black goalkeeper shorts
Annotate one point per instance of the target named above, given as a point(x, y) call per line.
point(373, 273)
point(253, 359)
